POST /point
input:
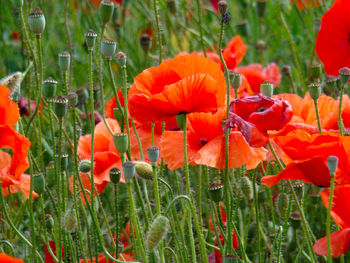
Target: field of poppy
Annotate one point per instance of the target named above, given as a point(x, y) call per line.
point(174, 131)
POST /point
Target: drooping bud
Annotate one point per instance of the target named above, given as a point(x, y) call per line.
point(282, 204)
point(121, 142)
point(216, 192)
point(115, 175)
point(60, 105)
point(332, 162)
point(146, 42)
point(144, 170)
point(129, 170)
point(181, 120)
point(266, 88)
point(261, 7)
point(49, 89)
point(344, 75)
point(246, 187)
point(90, 37)
point(84, 166)
point(36, 21)
point(222, 7)
point(157, 232)
point(121, 59)
point(70, 221)
point(108, 47)
point(64, 61)
point(39, 183)
point(106, 11)
point(260, 45)
point(315, 90)
point(153, 153)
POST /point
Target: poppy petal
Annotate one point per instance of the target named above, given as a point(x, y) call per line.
point(340, 242)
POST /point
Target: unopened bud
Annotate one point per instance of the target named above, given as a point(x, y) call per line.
point(246, 187)
point(84, 166)
point(70, 221)
point(39, 183)
point(144, 170)
point(282, 204)
point(157, 232)
point(181, 120)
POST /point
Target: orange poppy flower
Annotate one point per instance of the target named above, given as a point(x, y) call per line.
point(9, 113)
point(256, 115)
point(188, 83)
point(7, 259)
point(306, 158)
point(340, 240)
point(206, 144)
point(303, 4)
point(332, 43)
point(256, 74)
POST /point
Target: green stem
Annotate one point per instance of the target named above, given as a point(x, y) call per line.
point(92, 110)
point(318, 117)
point(116, 205)
point(199, 13)
point(257, 217)
point(328, 226)
point(340, 121)
point(159, 35)
point(125, 95)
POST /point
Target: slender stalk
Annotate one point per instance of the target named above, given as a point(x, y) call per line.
point(328, 226)
point(318, 118)
point(116, 206)
point(125, 95)
point(257, 217)
point(92, 110)
point(340, 121)
point(159, 35)
point(199, 14)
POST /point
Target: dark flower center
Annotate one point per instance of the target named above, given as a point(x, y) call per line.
point(203, 141)
point(261, 109)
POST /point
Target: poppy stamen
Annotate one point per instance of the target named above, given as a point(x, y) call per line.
point(203, 141)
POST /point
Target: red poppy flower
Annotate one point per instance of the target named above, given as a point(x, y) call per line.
point(24, 108)
point(306, 156)
point(214, 4)
point(256, 74)
point(256, 115)
point(206, 144)
point(7, 259)
point(188, 83)
point(97, 117)
point(9, 113)
point(340, 240)
point(332, 43)
point(303, 4)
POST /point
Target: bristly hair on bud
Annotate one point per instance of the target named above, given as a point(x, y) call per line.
point(222, 7)
point(70, 221)
point(144, 170)
point(157, 232)
point(246, 187)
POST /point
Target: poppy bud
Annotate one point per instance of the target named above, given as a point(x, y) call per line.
point(72, 99)
point(180, 119)
point(108, 47)
point(246, 187)
point(49, 222)
point(344, 75)
point(222, 7)
point(106, 11)
point(119, 115)
point(144, 170)
point(286, 70)
point(84, 166)
point(121, 142)
point(36, 21)
point(282, 204)
point(235, 79)
point(331, 82)
point(216, 191)
point(121, 59)
point(39, 183)
point(64, 161)
point(129, 170)
point(243, 27)
point(115, 175)
point(146, 42)
point(171, 5)
point(315, 90)
point(49, 90)
point(157, 232)
point(90, 37)
point(226, 18)
point(316, 71)
point(70, 221)
point(64, 61)
point(332, 162)
point(261, 7)
point(295, 219)
point(266, 88)
point(153, 153)
point(13, 82)
point(60, 105)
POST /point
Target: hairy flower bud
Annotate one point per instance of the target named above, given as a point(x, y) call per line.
point(157, 232)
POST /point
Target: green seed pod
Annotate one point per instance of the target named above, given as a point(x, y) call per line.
point(344, 75)
point(266, 88)
point(153, 153)
point(315, 71)
point(106, 11)
point(60, 105)
point(50, 86)
point(119, 115)
point(235, 79)
point(108, 47)
point(129, 170)
point(230, 259)
point(282, 204)
point(144, 170)
point(331, 82)
point(295, 219)
point(64, 61)
point(146, 42)
point(64, 161)
point(216, 192)
point(84, 166)
point(90, 38)
point(49, 222)
point(246, 187)
point(39, 183)
point(36, 21)
point(121, 59)
point(115, 175)
point(50, 174)
point(157, 232)
point(261, 7)
point(243, 27)
point(315, 90)
point(222, 7)
point(180, 119)
point(72, 99)
point(121, 142)
point(70, 221)
point(332, 162)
